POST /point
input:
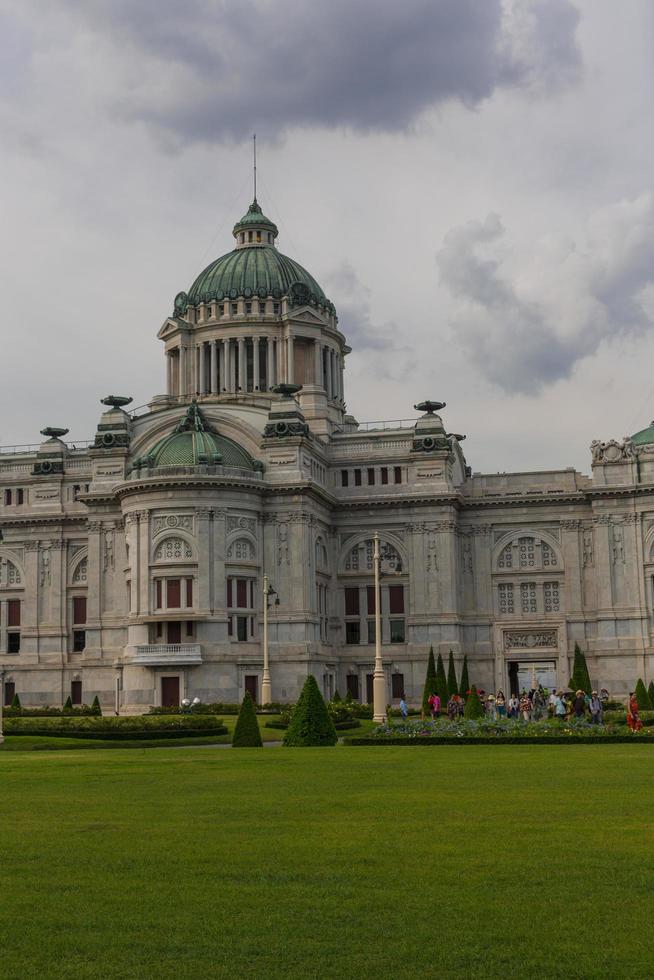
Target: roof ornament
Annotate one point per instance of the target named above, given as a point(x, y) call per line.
point(192, 421)
point(254, 151)
point(52, 432)
point(429, 407)
point(116, 401)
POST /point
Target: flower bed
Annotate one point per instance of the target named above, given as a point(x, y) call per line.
point(129, 727)
point(486, 731)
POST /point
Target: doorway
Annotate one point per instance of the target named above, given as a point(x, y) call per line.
point(251, 682)
point(170, 692)
point(174, 632)
point(10, 693)
point(370, 697)
point(523, 674)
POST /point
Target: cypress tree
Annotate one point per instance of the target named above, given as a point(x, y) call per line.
point(441, 681)
point(452, 686)
point(16, 702)
point(246, 733)
point(644, 703)
point(311, 723)
point(430, 681)
point(68, 706)
point(337, 698)
point(473, 708)
point(464, 686)
point(95, 707)
point(580, 680)
point(650, 691)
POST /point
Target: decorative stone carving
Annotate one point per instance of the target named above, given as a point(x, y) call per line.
point(241, 550)
point(233, 523)
point(432, 553)
point(282, 545)
point(111, 440)
point(612, 451)
point(466, 555)
point(529, 639)
point(588, 551)
point(80, 575)
point(108, 551)
point(45, 566)
point(9, 574)
point(173, 549)
point(617, 549)
point(570, 525)
point(48, 467)
point(162, 522)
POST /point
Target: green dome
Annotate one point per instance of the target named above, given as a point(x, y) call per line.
point(193, 444)
point(645, 437)
point(255, 218)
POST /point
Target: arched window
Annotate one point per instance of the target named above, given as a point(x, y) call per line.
point(241, 550)
point(526, 552)
point(506, 557)
point(360, 558)
point(9, 573)
point(81, 573)
point(173, 549)
point(549, 558)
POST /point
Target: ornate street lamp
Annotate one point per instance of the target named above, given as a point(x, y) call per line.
point(379, 678)
point(268, 593)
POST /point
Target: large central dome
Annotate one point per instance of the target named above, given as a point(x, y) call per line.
point(255, 268)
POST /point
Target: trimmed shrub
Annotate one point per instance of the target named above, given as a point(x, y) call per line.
point(642, 697)
point(430, 681)
point(441, 682)
point(16, 702)
point(452, 686)
point(311, 723)
point(580, 680)
point(246, 733)
point(95, 707)
point(127, 726)
point(68, 704)
point(336, 697)
point(650, 691)
point(464, 686)
point(473, 708)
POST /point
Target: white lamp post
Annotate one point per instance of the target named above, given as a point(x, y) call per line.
point(379, 680)
point(2, 701)
point(266, 687)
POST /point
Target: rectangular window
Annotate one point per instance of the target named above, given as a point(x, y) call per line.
point(528, 597)
point(13, 642)
point(371, 476)
point(241, 593)
point(158, 602)
point(20, 496)
point(275, 307)
point(241, 627)
point(13, 612)
point(384, 474)
point(79, 609)
point(229, 593)
point(344, 478)
point(397, 686)
point(189, 592)
point(7, 497)
point(79, 640)
point(506, 598)
point(173, 593)
point(397, 631)
point(397, 472)
point(357, 478)
point(189, 627)
point(372, 635)
point(234, 309)
point(551, 596)
point(159, 630)
point(352, 686)
point(251, 593)
point(396, 599)
point(353, 632)
point(352, 602)
point(248, 307)
point(370, 594)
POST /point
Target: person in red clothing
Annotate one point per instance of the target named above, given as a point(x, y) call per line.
point(434, 705)
point(633, 714)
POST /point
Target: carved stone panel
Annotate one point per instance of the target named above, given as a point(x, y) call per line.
point(529, 639)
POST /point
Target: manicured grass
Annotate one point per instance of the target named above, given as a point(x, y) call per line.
point(519, 862)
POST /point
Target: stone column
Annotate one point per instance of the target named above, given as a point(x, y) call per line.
point(182, 371)
point(317, 351)
point(291, 355)
point(270, 368)
point(329, 374)
point(94, 575)
point(242, 374)
point(227, 367)
point(144, 563)
point(255, 364)
point(280, 369)
point(201, 597)
point(169, 374)
point(213, 386)
point(221, 366)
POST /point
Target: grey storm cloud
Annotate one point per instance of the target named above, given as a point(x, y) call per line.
point(352, 300)
point(526, 317)
point(210, 71)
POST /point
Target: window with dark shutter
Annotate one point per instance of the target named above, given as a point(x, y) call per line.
point(173, 593)
point(13, 612)
point(351, 602)
point(396, 599)
point(79, 610)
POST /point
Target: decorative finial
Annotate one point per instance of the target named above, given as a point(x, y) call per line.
point(455, 435)
point(116, 401)
point(286, 390)
point(429, 407)
point(51, 432)
point(254, 151)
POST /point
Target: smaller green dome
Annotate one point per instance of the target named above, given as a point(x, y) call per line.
point(645, 437)
point(255, 218)
point(192, 443)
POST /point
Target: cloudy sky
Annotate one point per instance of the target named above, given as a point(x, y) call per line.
point(469, 180)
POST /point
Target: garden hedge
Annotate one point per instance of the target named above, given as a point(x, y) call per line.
point(133, 726)
point(495, 740)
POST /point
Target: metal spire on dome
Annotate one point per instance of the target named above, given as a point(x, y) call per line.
point(254, 151)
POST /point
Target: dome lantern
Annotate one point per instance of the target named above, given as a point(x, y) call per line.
point(254, 228)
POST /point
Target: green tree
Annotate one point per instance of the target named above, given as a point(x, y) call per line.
point(16, 702)
point(644, 703)
point(650, 691)
point(246, 732)
point(452, 686)
point(580, 680)
point(311, 723)
point(430, 681)
point(68, 706)
point(95, 707)
point(336, 697)
point(441, 681)
point(473, 708)
point(464, 686)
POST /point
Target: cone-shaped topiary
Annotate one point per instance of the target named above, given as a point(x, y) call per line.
point(430, 682)
point(473, 708)
point(16, 702)
point(68, 706)
point(311, 723)
point(336, 697)
point(650, 691)
point(580, 680)
point(464, 686)
point(246, 732)
point(441, 681)
point(452, 686)
point(644, 703)
point(95, 707)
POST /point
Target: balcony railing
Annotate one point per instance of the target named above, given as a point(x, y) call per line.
point(167, 654)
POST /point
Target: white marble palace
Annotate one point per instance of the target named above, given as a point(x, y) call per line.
point(132, 568)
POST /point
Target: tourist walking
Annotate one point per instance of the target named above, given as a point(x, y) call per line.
point(551, 704)
point(500, 704)
point(434, 706)
point(460, 706)
point(579, 704)
point(633, 714)
point(525, 707)
point(451, 708)
point(595, 709)
point(560, 707)
point(404, 709)
point(514, 705)
point(538, 705)
point(491, 709)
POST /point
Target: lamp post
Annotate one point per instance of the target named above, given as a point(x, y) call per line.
point(266, 689)
point(379, 680)
point(2, 701)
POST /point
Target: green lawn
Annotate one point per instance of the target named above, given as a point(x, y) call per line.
point(526, 861)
